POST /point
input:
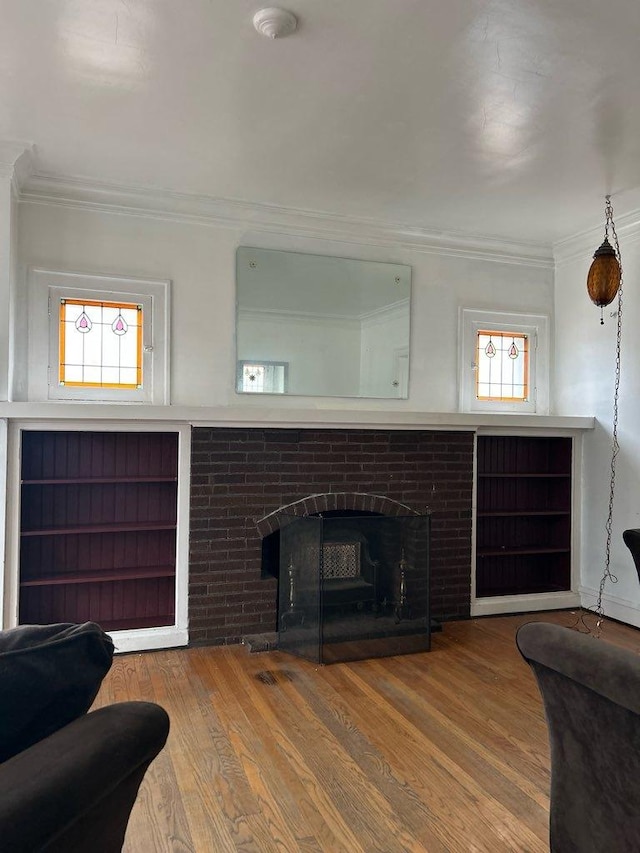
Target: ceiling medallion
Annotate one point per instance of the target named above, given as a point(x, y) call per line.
point(275, 23)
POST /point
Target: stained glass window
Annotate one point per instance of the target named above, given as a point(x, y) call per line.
point(502, 366)
point(100, 344)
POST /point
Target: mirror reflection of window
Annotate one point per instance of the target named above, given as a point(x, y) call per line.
point(262, 377)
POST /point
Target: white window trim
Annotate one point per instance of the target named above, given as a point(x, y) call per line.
point(536, 326)
point(47, 287)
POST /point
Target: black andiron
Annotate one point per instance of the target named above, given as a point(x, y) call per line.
point(402, 609)
point(292, 615)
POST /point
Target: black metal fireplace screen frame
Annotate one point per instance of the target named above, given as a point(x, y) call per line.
point(353, 587)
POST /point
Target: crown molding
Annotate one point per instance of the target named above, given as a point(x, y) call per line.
point(78, 193)
point(582, 245)
point(16, 162)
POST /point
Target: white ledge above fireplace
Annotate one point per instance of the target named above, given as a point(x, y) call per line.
point(244, 416)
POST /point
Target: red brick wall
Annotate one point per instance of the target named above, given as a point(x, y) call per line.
point(240, 475)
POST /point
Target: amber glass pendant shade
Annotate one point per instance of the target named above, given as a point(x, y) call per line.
point(603, 280)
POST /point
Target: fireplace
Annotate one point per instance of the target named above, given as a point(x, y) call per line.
point(243, 478)
point(353, 586)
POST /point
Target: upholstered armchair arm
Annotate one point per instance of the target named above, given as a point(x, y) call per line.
point(74, 790)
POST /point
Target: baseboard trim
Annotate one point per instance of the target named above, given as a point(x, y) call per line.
point(145, 639)
point(524, 603)
point(617, 608)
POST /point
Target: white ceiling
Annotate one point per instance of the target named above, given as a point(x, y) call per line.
point(506, 118)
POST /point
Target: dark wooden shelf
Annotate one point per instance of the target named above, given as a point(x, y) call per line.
point(520, 552)
point(526, 513)
point(90, 481)
point(523, 500)
point(144, 573)
point(115, 527)
point(110, 500)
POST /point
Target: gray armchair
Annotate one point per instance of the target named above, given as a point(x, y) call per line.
point(591, 695)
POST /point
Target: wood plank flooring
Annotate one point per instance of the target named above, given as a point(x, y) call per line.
point(440, 751)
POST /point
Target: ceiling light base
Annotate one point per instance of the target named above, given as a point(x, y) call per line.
point(275, 23)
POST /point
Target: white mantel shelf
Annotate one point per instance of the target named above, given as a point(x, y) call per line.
point(287, 418)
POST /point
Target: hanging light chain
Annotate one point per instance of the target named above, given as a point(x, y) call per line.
point(608, 218)
point(615, 447)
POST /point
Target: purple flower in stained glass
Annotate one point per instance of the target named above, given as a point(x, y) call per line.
point(83, 323)
point(119, 326)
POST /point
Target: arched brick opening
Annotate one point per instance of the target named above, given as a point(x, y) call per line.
point(331, 502)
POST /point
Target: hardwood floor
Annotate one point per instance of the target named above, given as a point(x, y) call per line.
point(439, 751)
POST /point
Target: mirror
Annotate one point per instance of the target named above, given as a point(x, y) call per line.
point(321, 326)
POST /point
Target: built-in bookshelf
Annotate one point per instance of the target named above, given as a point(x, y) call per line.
point(98, 518)
point(523, 541)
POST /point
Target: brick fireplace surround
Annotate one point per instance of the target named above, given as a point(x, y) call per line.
point(239, 476)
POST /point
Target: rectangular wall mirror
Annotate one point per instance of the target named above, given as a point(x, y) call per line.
point(321, 326)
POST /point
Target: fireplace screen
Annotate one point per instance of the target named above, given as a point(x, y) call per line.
point(353, 586)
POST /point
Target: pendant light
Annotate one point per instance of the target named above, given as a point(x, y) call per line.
point(603, 280)
point(604, 283)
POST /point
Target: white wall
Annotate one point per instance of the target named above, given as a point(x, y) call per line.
point(584, 384)
point(200, 261)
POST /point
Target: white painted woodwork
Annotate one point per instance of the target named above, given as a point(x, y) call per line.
point(537, 328)
point(494, 605)
point(10, 154)
point(272, 416)
point(45, 290)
